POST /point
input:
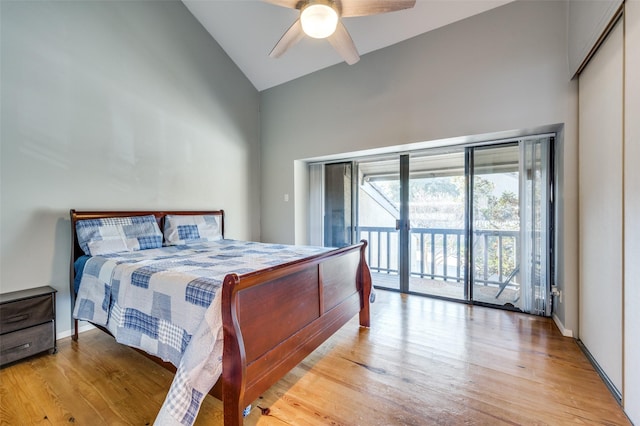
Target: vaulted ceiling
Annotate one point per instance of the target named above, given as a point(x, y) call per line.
point(248, 29)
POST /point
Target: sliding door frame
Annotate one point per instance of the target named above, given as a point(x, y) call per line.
point(468, 224)
point(404, 226)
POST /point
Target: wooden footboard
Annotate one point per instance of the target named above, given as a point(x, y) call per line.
point(273, 319)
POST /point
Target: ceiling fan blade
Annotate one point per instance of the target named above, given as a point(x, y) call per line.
point(291, 4)
point(343, 43)
point(350, 8)
point(293, 35)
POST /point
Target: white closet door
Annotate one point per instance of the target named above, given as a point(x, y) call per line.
point(631, 397)
point(600, 194)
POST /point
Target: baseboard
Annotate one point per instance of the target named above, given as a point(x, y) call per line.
point(565, 332)
point(81, 329)
point(608, 383)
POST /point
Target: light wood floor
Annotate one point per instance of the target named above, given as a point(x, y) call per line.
point(423, 362)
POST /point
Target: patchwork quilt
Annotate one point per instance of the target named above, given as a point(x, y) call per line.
point(166, 301)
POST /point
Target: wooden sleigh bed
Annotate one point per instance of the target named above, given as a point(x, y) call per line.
point(308, 300)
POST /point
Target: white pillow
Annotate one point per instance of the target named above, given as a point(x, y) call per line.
point(182, 229)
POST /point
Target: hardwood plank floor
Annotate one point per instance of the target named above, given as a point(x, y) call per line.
point(423, 362)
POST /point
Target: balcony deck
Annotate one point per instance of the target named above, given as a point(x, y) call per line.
point(449, 289)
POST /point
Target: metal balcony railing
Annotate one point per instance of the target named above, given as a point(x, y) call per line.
point(439, 253)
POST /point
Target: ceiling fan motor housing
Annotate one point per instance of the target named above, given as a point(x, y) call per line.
point(319, 18)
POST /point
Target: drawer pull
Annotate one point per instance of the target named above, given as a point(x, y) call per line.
point(17, 348)
point(16, 318)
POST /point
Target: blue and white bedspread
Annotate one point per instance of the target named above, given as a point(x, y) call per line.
point(166, 301)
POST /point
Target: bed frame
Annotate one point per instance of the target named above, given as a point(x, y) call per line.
point(306, 301)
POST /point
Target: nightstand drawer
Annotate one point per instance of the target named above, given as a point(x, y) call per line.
point(27, 342)
point(25, 313)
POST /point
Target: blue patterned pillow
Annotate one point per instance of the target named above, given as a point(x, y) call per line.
point(118, 234)
point(182, 229)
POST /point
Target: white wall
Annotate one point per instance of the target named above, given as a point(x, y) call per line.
point(502, 70)
point(115, 105)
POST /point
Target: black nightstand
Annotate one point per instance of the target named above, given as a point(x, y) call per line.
point(27, 323)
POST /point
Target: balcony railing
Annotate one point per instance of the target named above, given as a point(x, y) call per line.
point(439, 253)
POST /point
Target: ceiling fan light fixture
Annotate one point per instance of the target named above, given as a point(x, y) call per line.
point(319, 20)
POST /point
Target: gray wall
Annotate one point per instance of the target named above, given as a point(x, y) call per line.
point(115, 105)
point(505, 69)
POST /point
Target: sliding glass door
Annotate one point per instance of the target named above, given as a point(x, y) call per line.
point(411, 210)
point(470, 223)
point(379, 218)
point(437, 238)
point(496, 242)
point(511, 225)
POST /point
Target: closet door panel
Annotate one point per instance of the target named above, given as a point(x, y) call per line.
point(631, 392)
point(600, 195)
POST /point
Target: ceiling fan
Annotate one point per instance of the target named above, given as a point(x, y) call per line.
point(321, 19)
